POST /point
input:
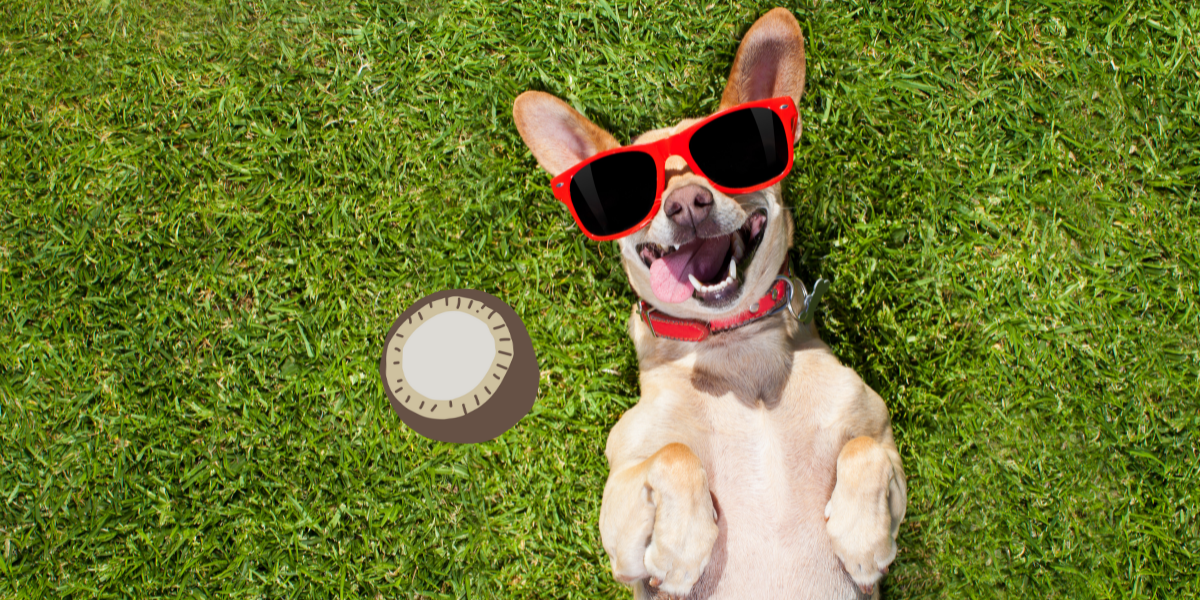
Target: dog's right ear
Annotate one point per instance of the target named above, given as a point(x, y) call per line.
point(557, 134)
point(769, 61)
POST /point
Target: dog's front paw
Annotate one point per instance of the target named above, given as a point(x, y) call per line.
point(865, 550)
point(680, 548)
point(860, 516)
point(658, 522)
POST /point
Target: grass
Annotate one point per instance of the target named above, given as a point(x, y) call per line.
point(214, 211)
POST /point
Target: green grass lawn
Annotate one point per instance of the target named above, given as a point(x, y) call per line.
point(213, 212)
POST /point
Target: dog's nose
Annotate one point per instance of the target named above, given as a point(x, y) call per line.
point(689, 205)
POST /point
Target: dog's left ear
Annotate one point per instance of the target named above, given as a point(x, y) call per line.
point(769, 61)
point(557, 134)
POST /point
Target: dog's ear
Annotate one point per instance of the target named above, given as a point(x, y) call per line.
point(557, 134)
point(769, 61)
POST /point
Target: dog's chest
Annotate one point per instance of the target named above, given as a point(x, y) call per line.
point(771, 471)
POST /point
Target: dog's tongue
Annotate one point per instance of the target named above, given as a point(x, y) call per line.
point(702, 258)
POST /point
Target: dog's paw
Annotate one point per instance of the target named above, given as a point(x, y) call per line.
point(859, 516)
point(861, 539)
point(658, 521)
point(680, 548)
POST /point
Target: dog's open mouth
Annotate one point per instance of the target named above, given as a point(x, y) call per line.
point(706, 268)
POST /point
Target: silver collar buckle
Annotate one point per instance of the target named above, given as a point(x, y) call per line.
point(811, 301)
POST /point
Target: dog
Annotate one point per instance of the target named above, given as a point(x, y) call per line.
point(755, 465)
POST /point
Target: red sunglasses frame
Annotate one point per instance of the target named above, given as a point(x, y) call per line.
point(678, 145)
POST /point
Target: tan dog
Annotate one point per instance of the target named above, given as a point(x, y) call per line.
point(755, 464)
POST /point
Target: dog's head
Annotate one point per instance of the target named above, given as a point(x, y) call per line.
point(705, 254)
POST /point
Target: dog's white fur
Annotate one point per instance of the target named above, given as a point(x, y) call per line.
point(755, 464)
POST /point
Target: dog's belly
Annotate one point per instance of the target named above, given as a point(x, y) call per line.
point(771, 474)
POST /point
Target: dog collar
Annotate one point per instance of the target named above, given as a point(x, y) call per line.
point(778, 297)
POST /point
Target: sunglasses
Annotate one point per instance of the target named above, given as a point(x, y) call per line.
point(742, 149)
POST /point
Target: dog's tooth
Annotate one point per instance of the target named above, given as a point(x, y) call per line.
point(733, 268)
point(695, 282)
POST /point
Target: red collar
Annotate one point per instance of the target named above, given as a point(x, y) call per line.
point(695, 330)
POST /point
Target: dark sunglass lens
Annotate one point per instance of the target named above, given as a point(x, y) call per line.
point(742, 149)
point(614, 193)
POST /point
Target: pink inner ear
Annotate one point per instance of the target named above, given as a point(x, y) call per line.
point(575, 141)
point(558, 141)
point(762, 75)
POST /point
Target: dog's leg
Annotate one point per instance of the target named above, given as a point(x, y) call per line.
point(864, 514)
point(657, 520)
